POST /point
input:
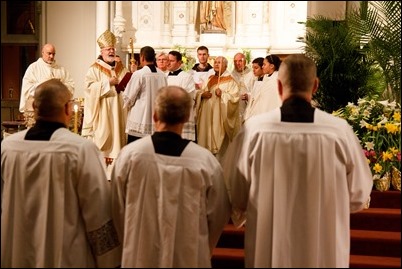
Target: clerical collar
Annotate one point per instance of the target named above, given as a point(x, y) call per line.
point(43, 130)
point(297, 109)
point(152, 67)
point(197, 68)
point(175, 73)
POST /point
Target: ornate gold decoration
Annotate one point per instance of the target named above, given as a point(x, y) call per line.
point(367, 204)
point(383, 183)
point(396, 178)
point(29, 117)
point(107, 39)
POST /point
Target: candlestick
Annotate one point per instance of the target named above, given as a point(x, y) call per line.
point(76, 118)
point(132, 59)
point(219, 74)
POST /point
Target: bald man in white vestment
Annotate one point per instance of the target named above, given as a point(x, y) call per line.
point(43, 69)
point(298, 174)
point(245, 78)
point(55, 197)
point(169, 199)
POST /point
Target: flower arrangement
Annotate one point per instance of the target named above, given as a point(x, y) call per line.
point(378, 127)
point(187, 59)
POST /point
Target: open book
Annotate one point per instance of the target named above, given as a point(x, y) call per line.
point(123, 83)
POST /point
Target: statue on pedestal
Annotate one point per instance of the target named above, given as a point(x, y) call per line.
point(212, 17)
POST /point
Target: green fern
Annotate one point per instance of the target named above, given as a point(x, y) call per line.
point(342, 68)
point(378, 26)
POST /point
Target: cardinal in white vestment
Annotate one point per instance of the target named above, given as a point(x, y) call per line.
point(104, 115)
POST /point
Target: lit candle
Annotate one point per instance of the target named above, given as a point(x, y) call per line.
point(76, 118)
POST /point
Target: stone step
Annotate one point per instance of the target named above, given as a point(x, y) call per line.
point(377, 219)
point(375, 236)
point(234, 258)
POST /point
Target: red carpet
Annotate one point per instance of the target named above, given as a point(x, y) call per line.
point(375, 236)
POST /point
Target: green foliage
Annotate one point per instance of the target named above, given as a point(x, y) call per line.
point(342, 68)
point(247, 54)
point(378, 26)
point(187, 59)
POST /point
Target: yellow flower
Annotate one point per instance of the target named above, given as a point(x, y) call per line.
point(377, 168)
point(386, 156)
point(397, 116)
point(391, 128)
point(377, 125)
point(394, 150)
point(355, 111)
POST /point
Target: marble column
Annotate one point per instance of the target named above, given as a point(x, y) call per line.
point(102, 21)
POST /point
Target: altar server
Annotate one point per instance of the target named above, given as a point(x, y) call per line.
point(294, 176)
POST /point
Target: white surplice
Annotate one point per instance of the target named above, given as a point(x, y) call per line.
point(201, 77)
point(38, 72)
point(186, 81)
point(265, 97)
point(55, 204)
point(295, 185)
point(139, 98)
point(171, 210)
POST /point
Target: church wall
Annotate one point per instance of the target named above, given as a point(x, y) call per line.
point(332, 9)
point(261, 26)
point(70, 26)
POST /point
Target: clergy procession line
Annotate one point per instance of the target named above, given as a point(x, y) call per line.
point(186, 152)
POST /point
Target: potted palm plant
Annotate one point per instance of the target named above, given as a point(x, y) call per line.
point(357, 57)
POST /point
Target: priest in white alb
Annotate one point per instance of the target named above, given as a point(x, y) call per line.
point(43, 69)
point(294, 176)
